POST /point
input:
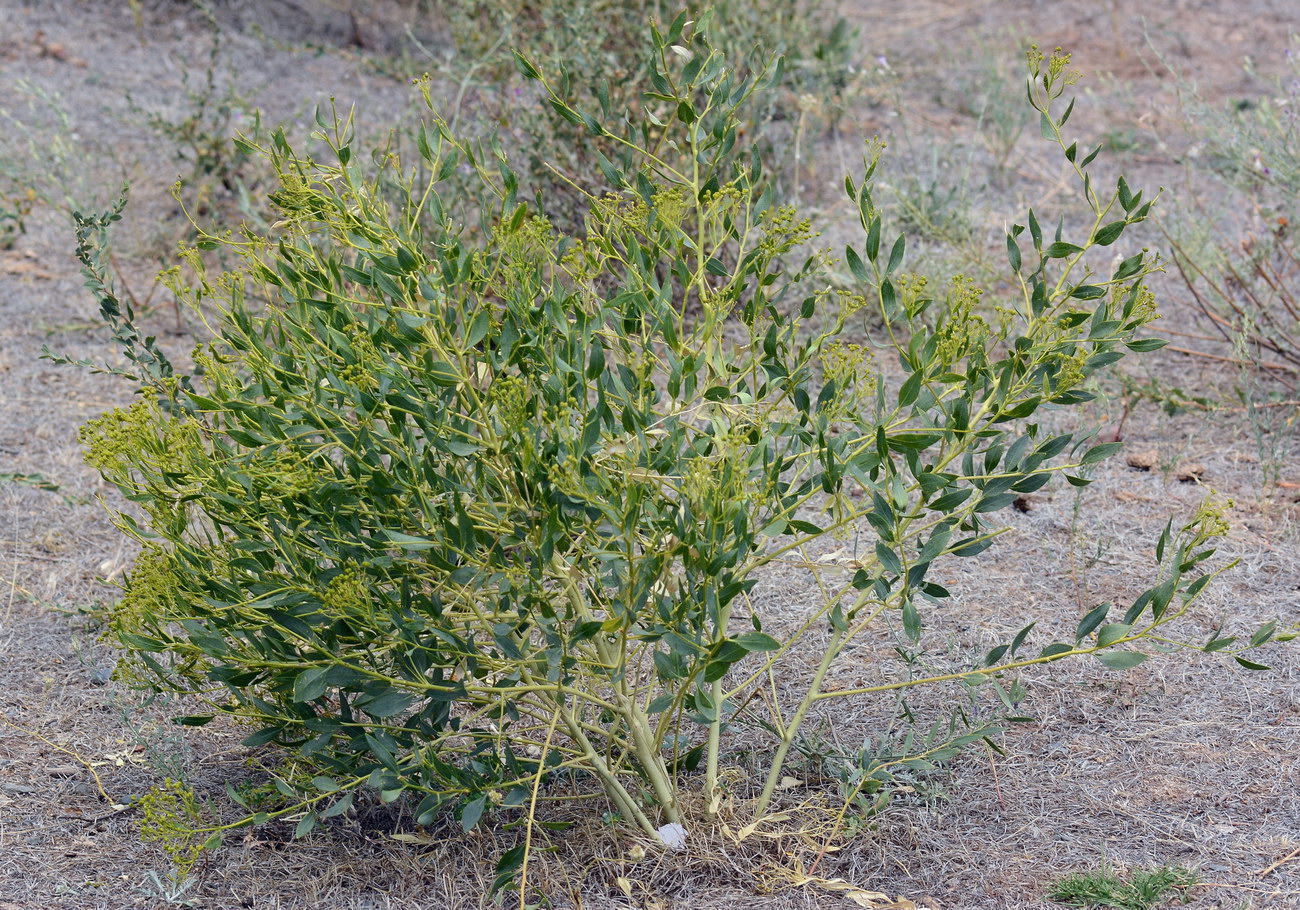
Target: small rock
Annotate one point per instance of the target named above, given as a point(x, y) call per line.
point(64, 771)
point(17, 788)
point(1142, 461)
point(1190, 472)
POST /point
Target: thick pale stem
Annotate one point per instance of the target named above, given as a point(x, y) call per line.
point(643, 741)
point(715, 728)
point(652, 763)
point(617, 792)
point(715, 737)
point(792, 728)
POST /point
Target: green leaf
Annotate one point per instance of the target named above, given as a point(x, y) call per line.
point(1100, 452)
point(888, 559)
point(913, 440)
point(757, 641)
point(910, 389)
point(896, 254)
point(507, 867)
point(1112, 633)
point(1095, 618)
point(471, 812)
point(193, 720)
point(1061, 250)
point(387, 704)
point(670, 666)
point(407, 542)
point(461, 447)
point(911, 621)
point(949, 501)
point(705, 706)
point(1129, 267)
point(1109, 233)
point(526, 68)
point(856, 265)
point(338, 807)
point(310, 684)
point(1121, 660)
point(1263, 634)
point(1249, 664)
point(442, 373)
point(661, 704)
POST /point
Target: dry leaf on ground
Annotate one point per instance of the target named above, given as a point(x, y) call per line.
point(1143, 461)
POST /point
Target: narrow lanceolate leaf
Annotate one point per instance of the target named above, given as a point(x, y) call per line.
point(1109, 233)
point(1100, 452)
point(1061, 249)
point(1121, 660)
point(407, 542)
point(896, 254)
point(757, 641)
point(526, 68)
point(856, 265)
point(1093, 620)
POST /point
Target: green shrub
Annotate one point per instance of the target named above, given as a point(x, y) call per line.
point(219, 171)
point(452, 520)
point(597, 52)
point(1247, 290)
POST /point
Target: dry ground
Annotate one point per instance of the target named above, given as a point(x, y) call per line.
point(1189, 761)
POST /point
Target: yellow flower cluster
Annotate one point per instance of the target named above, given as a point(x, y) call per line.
point(362, 371)
point(139, 436)
point(849, 366)
point(1210, 519)
point(150, 593)
point(962, 330)
point(170, 816)
point(348, 592)
point(783, 230)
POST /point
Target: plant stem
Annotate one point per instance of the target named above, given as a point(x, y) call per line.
point(617, 792)
point(652, 765)
point(792, 728)
point(715, 727)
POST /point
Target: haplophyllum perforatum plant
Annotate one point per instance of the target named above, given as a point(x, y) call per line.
point(453, 519)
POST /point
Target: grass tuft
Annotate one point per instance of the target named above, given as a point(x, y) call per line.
point(1145, 889)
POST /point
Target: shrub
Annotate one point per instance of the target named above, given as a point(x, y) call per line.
point(1247, 290)
point(597, 52)
point(453, 520)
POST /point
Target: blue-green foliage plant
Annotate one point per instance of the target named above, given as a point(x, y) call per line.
point(450, 517)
